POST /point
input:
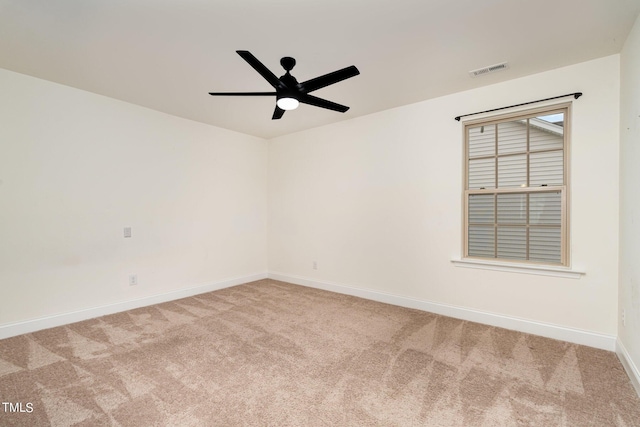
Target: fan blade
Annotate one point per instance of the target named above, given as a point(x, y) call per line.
point(277, 113)
point(260, 68)
point(322, 103)
point(242, 93)
point(329, 79)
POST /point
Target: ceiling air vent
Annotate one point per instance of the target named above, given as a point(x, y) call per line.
point(489, 69)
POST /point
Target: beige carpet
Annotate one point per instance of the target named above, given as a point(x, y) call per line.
point(274, 354)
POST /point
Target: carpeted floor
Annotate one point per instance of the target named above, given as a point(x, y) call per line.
point(269, 353)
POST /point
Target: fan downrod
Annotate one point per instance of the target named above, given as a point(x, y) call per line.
point(288, 63)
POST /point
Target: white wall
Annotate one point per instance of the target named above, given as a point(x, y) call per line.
point(629, 292)
point(376, 201)
point(75, 168)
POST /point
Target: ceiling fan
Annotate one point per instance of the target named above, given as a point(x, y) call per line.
point(289, 93)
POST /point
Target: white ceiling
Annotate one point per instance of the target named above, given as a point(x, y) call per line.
point(168, 54)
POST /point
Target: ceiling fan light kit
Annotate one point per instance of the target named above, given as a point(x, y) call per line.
point(288, 92)
point(288, 103)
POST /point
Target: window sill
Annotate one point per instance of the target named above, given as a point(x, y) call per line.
point(541, 270)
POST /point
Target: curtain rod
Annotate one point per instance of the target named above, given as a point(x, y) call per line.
point(576, 95)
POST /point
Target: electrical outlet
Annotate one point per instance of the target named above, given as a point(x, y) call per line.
point(624, 318)
point(133, 280)
point(315, 265)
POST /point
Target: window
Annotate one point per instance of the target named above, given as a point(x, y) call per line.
point(515, 195)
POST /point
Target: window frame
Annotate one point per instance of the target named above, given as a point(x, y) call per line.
point(494, 119)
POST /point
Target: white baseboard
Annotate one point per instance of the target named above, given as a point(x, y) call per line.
point(629, 366)
point(19, 328)
point(577, 336)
